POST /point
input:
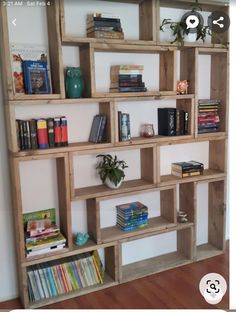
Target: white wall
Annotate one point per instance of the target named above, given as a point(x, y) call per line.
point(79, 118)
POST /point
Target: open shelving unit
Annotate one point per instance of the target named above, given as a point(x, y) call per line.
point(175, 193)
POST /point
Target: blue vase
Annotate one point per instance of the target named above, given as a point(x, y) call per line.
point(74, 83)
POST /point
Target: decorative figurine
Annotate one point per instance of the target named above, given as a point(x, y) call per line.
point(74, 82)
point(182, 86)
point(81, 239)
point(182, 217)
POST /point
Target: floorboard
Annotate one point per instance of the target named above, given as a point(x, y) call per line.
point(172, 289)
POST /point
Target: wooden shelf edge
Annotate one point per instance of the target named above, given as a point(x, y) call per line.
point(208, 174)
point(107, 283)
point(90, 246)
point(153, 265)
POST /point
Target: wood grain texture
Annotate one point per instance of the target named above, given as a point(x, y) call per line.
point(168, 71)
point(187, 200)
point(168, 204)
point(93, 219)
point(148, 20)
point(148, 164)
point(188, 67)
point(55, 48)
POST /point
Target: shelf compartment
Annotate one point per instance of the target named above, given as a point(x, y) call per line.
point(108, 282)
point(109, 265)
point(145, 179)
point(54, 44)
point(205, 251)
point(147, 25)
point(183, 255)
point(207, 174)
point(165, 214)
point(214, 241)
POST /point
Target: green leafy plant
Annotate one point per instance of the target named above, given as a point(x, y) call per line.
point(179, 30)
point(112, 168)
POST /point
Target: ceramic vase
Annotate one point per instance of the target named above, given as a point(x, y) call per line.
point(74, 83)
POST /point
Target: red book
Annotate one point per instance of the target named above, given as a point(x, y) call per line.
point(42, 133)
point(64, 132)
point(57, 131)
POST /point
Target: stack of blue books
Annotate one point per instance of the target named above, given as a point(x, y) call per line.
point(131, 216)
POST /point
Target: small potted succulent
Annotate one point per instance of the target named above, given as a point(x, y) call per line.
point(111, 170)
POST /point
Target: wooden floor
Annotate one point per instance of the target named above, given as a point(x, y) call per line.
point(175, 289)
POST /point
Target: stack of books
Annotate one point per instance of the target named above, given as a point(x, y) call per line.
point(58, 278)
point(131, 216)
point(208, 116)
point(97, 132)
point(187, 169)
point(104, 25)
point(124, 126)
point(42, 235)
point(172, 121)
point(127, 78)
point(42, 133)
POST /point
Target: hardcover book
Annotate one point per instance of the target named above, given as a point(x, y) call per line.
point(36, 77)
point(167, 121)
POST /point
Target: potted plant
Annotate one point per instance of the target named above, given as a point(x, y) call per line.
point(180, 30)
point(111, 170)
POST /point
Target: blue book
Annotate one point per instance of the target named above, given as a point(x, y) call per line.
point(36, 77)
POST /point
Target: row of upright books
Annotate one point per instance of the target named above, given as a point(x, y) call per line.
point(172, 121)
point(131, 216)
point(104, 25)
point(127, 78)
point(78, 272)
point(98, 129)
point(42, 133)
point(187, 168)
point(42, 234)
point(208, 116)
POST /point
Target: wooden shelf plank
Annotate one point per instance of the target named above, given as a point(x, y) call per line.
point(114, 233)
point(207, 174)
point(72, 40)
point(23, 96)
point(211, 134)
point(108, 282)
point(102, 190)
point(207, 251)
point(72, 147)
point(153, 265)
point(193, 45)
point(125, 97)
point(133, 94)
point(154, 139)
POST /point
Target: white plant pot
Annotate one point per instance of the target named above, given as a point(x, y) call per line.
point(111, 185)
point(191, 37)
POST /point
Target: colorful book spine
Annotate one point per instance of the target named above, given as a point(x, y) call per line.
point(42, 133)
point(64, 132)
point(57, 131)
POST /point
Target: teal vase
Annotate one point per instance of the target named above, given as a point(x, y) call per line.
point(74, 83)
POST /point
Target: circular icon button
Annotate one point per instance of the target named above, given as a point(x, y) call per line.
point(213, 287)
point(218, 22)
point(193, 21)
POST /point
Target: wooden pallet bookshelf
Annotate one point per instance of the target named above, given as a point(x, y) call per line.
point(110, 239)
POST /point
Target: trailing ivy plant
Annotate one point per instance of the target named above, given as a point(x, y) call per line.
point(111, 168)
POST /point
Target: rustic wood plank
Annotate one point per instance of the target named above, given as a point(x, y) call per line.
point(188, 67)
point(93, 219)
point(86, 55)
point(111, 262)
point(168, 204)
point(55, 49)
point(148, 164)
point(185, 242)
point(148, 20)
point(217, 155)
point(216, 216)
point(187, 200)
point(168, 71)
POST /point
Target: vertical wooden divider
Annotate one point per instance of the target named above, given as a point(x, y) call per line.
point(7, 78)
point(148, 20)
point(111, 261)
point(10, 122)
point(119, 260)
point(148, 164)
point(93, 219)
point(219, 85)
point(216, 217)
point(168, 204)
point(187, 106)
point(158, 164)
point(19, 228)
point(88, 69)
point(55, 49)
point(71, 170)
point(188, 67)
point(168, 70)
point(187, 200)
point(62, 18)
point(185, 242)
point(217, 155)
point(106, 108)
point(63, 182)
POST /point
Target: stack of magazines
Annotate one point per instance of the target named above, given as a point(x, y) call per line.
point(131, 216)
